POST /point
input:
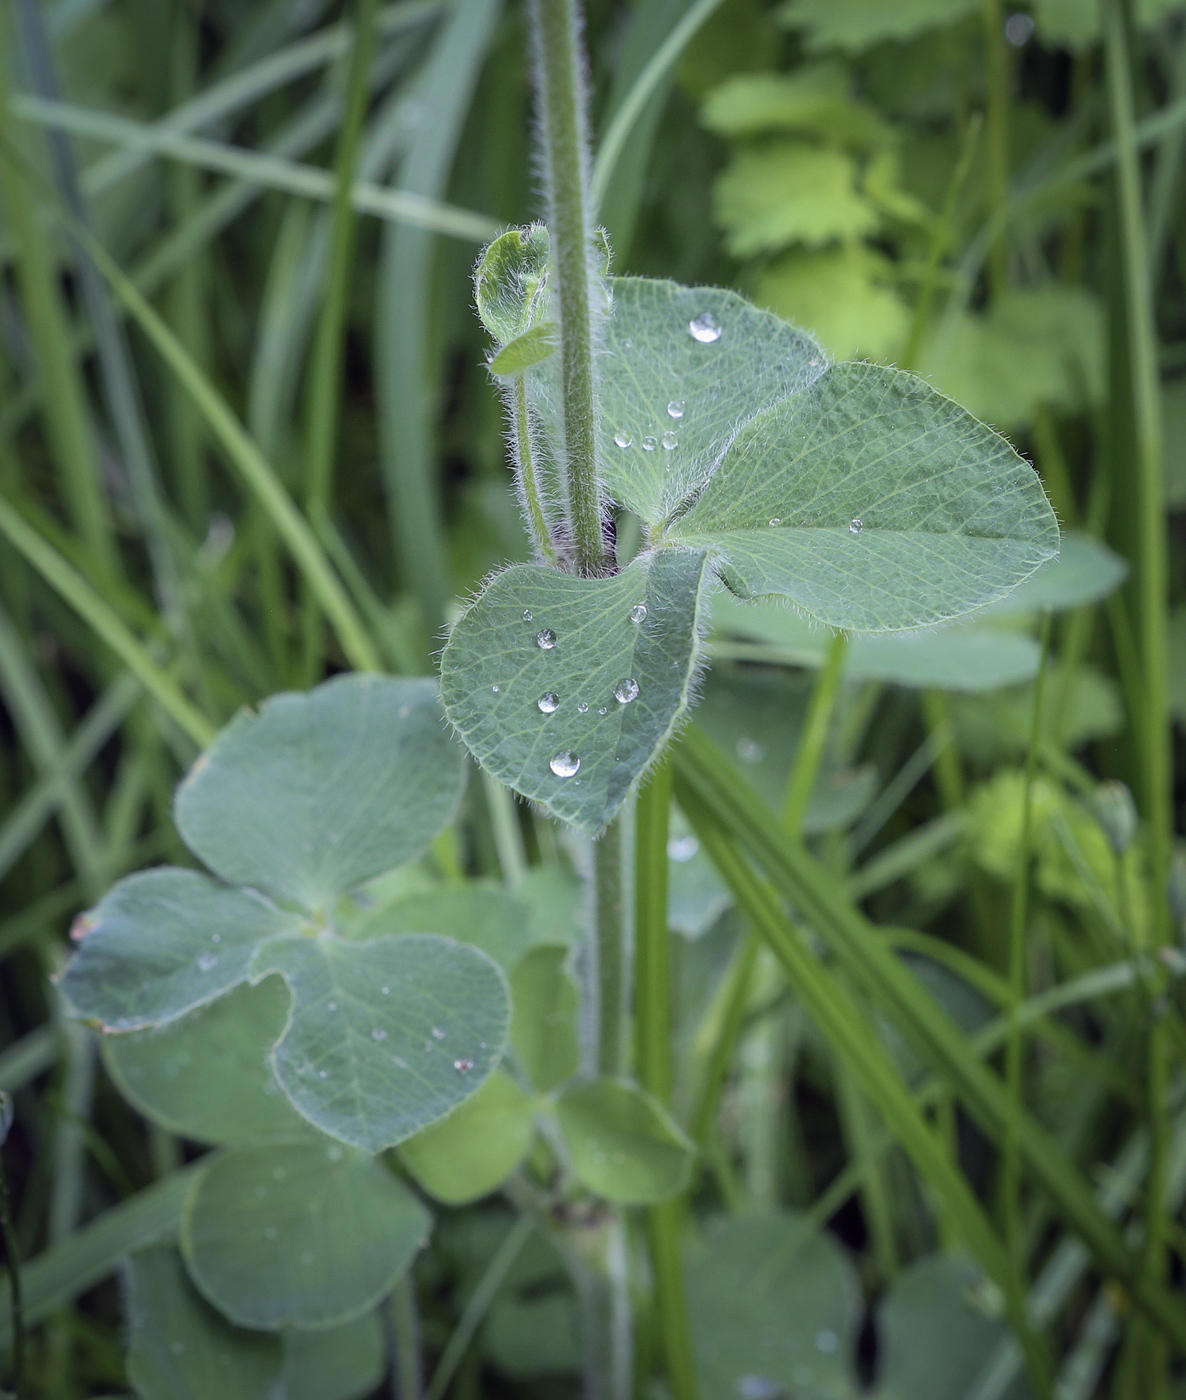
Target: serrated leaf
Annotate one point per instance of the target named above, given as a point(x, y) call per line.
point(938, 1326)
point(510, 281)
point(478, 912)
point(845, 296)
point(164, 942)
point(334, 1363)
point(814, 98)
point(790, 192)
point(856, 25)
point(473, 1151)
point(654, 368)
point(298, 1233)
point(874, 504)
point(545, 1018)
point(622, 1144)
point(207, 1076)
point(1045, 345)
point(387, 1035)
point(320, 792)
point(579, 764)
point(179, 1347)
point(525, 350)
point(774, 1307)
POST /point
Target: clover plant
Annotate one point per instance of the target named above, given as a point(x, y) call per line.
point(306, 1001)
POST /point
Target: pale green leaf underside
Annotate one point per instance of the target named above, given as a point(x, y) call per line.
point(494, 672)
point(320, 792)
point(299, 1233)
point(872, 503)
point(180, 1348)
point(622, 1144)
point(164, 942)
point(207, 1076)
point(652, 360)
point(387, 1035)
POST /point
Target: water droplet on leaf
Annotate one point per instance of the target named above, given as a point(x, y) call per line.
point(378, 1033)
point(682, 848)
point(565, 764)
point(750, 751)
point(827, 1342)
point(463, 1066)
point(626, 690)
point(638, 612)
point(331, 1005)
point(528, 615)
point(604, 710)
point(583, 708)
point(623, 439)
point(705, 328)
point(649, 444)
point(675, 409)
point(207, 962)
point(495, 689)
point(548, 702)
point(670, 441)
point(546, 639)
point(386, 991)
point(776, 520)
point(856, 526)
point(437, 1033)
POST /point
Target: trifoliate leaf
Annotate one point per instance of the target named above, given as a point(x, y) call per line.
point(622, 1144)
point(386, 1036)
point(873, 504)
point(164, 942)
point(511, 280)
point(320, 792)
point(208, 1076)
point(856, 25)
point(565, 688)
point(473, 1151)
point(299, 1233)
point(179, 1347)
point(844, 295)
point(787, 192)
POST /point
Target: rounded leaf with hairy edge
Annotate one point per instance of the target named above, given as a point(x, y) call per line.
point(545, 1019)
point(657, 378)
point(622, 1144)
point(473, 1151)
point(179, 1347)
point(208, 1075)
point(320, 792)
point(334, 1363)
point(298, 1234)
point(774, 1306)
point(1086, 571)
point(510, 281)
point(537, 633)
point(874, 504)
point(388, 1035)
point(164, 942)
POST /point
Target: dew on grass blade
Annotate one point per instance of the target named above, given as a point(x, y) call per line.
point(705, 328)
point(549, 702)
point(565, 764)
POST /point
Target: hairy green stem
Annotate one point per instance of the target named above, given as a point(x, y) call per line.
point(560, 83)
point(653, 1066)
point(528, 479)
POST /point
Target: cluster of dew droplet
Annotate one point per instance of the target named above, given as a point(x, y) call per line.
point(705, 329)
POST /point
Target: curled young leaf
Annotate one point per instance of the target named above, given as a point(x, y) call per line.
point(510, 281)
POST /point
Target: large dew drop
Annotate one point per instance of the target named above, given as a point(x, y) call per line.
point(528, 615)
point(675, 409)
point(705, 328)
point(546, 639)
point(856, 526)
point(638, 612)
point(548, 702)
point(623, 439)
point(670, 440)
point(649, 444)
point(626, 690)
point(565, 764)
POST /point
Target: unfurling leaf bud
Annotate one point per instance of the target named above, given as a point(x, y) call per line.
point(511, 280)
